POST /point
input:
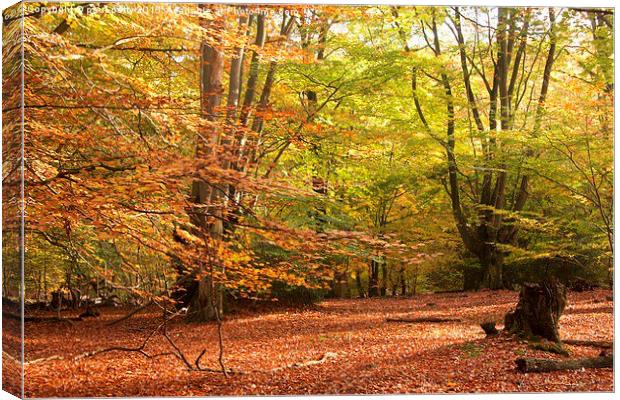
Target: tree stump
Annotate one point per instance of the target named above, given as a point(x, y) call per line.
point(581, 285)
point(538, 311)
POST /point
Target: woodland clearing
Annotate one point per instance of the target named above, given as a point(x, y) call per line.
point(369, 355)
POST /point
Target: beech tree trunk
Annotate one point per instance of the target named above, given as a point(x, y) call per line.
point(492, 269)
point(360, 287)
point(207, 300)
point(538, 311)
point(373, 279)
point(384, 280)
point(340, 285)
point(490, 227)
point(204, 302)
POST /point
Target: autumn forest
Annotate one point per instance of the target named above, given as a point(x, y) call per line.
point(207, 199)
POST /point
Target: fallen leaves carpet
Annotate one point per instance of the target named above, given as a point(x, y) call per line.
point(369, 355)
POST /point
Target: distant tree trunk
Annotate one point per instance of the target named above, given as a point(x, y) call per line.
point(373, 279)
point(340, 284)
point(403, 281)
point(384, 279)
point(45, 283)
point(360, 287)
point(538, 311)
point(414, 284)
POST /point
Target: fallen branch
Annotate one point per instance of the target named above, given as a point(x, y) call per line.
point(601, 344)
point(219, 371)
point(10, 357)
point(33, 318)
point(178, 353)
point(327, 356)
point(45, 359)
point(139, 349)
point(422, 320)
point(546, 365)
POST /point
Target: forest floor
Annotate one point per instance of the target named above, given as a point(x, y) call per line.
point(362, 353)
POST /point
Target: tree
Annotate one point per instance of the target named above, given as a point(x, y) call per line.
point(488, 223)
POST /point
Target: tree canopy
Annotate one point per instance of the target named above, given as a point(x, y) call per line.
point(186, 151)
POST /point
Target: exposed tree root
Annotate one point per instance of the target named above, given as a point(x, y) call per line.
point(602, 344)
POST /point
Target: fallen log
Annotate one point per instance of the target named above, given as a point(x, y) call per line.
point(601, 344)
point(422, 320)
point(546, 365)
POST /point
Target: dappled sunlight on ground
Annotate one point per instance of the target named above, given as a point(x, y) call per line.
point(371, 356)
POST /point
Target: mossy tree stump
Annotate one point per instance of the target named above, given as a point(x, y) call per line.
point(538, 311)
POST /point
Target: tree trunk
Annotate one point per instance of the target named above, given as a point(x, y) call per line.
point(538, 311)
point(373, 279)
point(203, 304)
point(360, 287)
point(384, 280)
point(492, 269)
point(208, 297)
point(340, 284)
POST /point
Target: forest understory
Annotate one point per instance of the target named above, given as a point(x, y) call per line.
point(359, 351)
point(195, 157)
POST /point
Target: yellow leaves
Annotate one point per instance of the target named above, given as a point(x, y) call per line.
point(67, 57)
point(141, 168)
point(185, 235)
